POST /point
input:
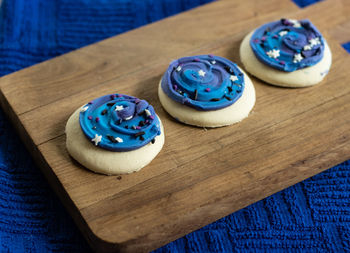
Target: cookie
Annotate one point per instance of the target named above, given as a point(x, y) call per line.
point(287, 53)
point(206, 91)
point(114, 134)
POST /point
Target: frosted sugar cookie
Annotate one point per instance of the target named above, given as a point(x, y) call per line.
point(114, 134)
point(206, 91)
point(287, 53)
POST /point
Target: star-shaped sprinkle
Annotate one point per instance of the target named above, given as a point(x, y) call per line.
point(295, 23)
point(118, 139)
point(119, 108)
point(84, 109)
point(148, 113)
point(297, 58)
point(314, 41)
point(97, 139)
point(282, 33)
point(178, 68)
point(274, 53)
point(233, 78)
point(307, 47)
point(213, 62)
point(201, 73)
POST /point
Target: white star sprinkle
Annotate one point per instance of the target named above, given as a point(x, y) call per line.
point(118, 139)
point(84, 109)
point(297, 58)
point(314, 42)
point(97, 139)
point(282, 33)
point(233, 78)
point(148, 113)
point(213, 62)
point(295, 23)
point(178, 68)
point(307, 47)
point(201, 73)
point(273, 53)
point(119, 108)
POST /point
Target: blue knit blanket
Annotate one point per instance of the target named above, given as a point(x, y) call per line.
point(312, 216)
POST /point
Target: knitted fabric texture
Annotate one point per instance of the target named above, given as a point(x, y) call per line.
point(312, 216)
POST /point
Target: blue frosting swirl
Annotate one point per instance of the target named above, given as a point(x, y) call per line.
point(203, 82)
point(288, 44)
point(119, 122)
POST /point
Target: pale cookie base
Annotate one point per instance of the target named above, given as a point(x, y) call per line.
point(108, 162)
point(300, 78)
point(217, 118)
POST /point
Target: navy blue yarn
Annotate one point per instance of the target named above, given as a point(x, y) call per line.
point(312, 216)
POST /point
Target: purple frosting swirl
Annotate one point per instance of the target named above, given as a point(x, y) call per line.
point(203, 82)
point(288, 44)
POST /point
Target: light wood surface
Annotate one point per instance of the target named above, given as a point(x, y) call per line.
point(201, 174)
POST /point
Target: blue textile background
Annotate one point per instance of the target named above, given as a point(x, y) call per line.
point(312, 216)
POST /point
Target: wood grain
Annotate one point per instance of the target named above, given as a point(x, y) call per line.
point(291, 134)
point(342, 32)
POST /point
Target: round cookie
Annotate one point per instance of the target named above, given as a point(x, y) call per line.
point(206, 91)
point(286, 53)
point(114, 134)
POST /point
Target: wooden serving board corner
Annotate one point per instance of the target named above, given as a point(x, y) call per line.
point(201, 174)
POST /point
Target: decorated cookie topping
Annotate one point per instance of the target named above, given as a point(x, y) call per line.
point(204, 82)
point(288, 44)
point(119, 122)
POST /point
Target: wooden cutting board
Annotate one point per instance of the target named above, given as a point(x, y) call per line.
point(201, 174)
